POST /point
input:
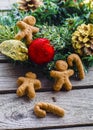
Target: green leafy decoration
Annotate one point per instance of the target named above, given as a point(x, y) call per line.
point(7, 33)
point(57, 20)
point(56, 35)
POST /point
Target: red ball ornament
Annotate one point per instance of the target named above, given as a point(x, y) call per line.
point(41, 51)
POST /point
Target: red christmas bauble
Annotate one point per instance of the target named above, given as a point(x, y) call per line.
point(41, 51)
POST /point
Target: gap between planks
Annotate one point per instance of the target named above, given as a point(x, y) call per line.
point(18, 113)
point(73, 128)
point(68, 128)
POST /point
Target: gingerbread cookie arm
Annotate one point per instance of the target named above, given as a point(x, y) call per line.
point(41, 108)
point(34, 29)
point(21, 25)
point(37, 84)
point(20, 80)
point(20, 35)
point(75, 58)
point(54, 74)
point(70, 72)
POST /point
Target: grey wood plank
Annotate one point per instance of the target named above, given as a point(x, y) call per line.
point(6, 4)
point(18, 112)
point(3, 57)
point(13, 1)
point(10, 72)
point(74, 128)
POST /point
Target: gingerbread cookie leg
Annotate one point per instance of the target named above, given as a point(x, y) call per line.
point(31, 91)
point(68, 85)
point(21, 90)
point(58, 84)
point(29, 38)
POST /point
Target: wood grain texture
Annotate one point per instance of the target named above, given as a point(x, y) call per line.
point(12, 1)
point(6, 4)
point(18, 112)
point(74, 128)
point(10, 72)
point(3, 58)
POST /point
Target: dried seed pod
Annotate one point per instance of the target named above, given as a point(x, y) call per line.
point(27, 5)
point(82, 39)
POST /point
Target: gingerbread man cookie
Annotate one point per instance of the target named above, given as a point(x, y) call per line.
point(61, 75)
point(27, 29)
point(28, 85)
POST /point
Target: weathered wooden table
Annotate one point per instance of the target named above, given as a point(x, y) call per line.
point(17, 113)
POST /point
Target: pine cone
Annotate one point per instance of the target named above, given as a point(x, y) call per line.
point(27, 5)
point(82, 39)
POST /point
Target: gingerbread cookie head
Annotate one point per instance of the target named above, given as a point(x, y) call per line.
point(31, 75)
point(30, 20)
point(61, 65)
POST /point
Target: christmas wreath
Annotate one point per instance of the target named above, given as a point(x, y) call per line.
point(65, 27)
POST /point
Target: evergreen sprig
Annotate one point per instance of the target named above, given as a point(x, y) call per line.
point(7, 33)
point(56, 34)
